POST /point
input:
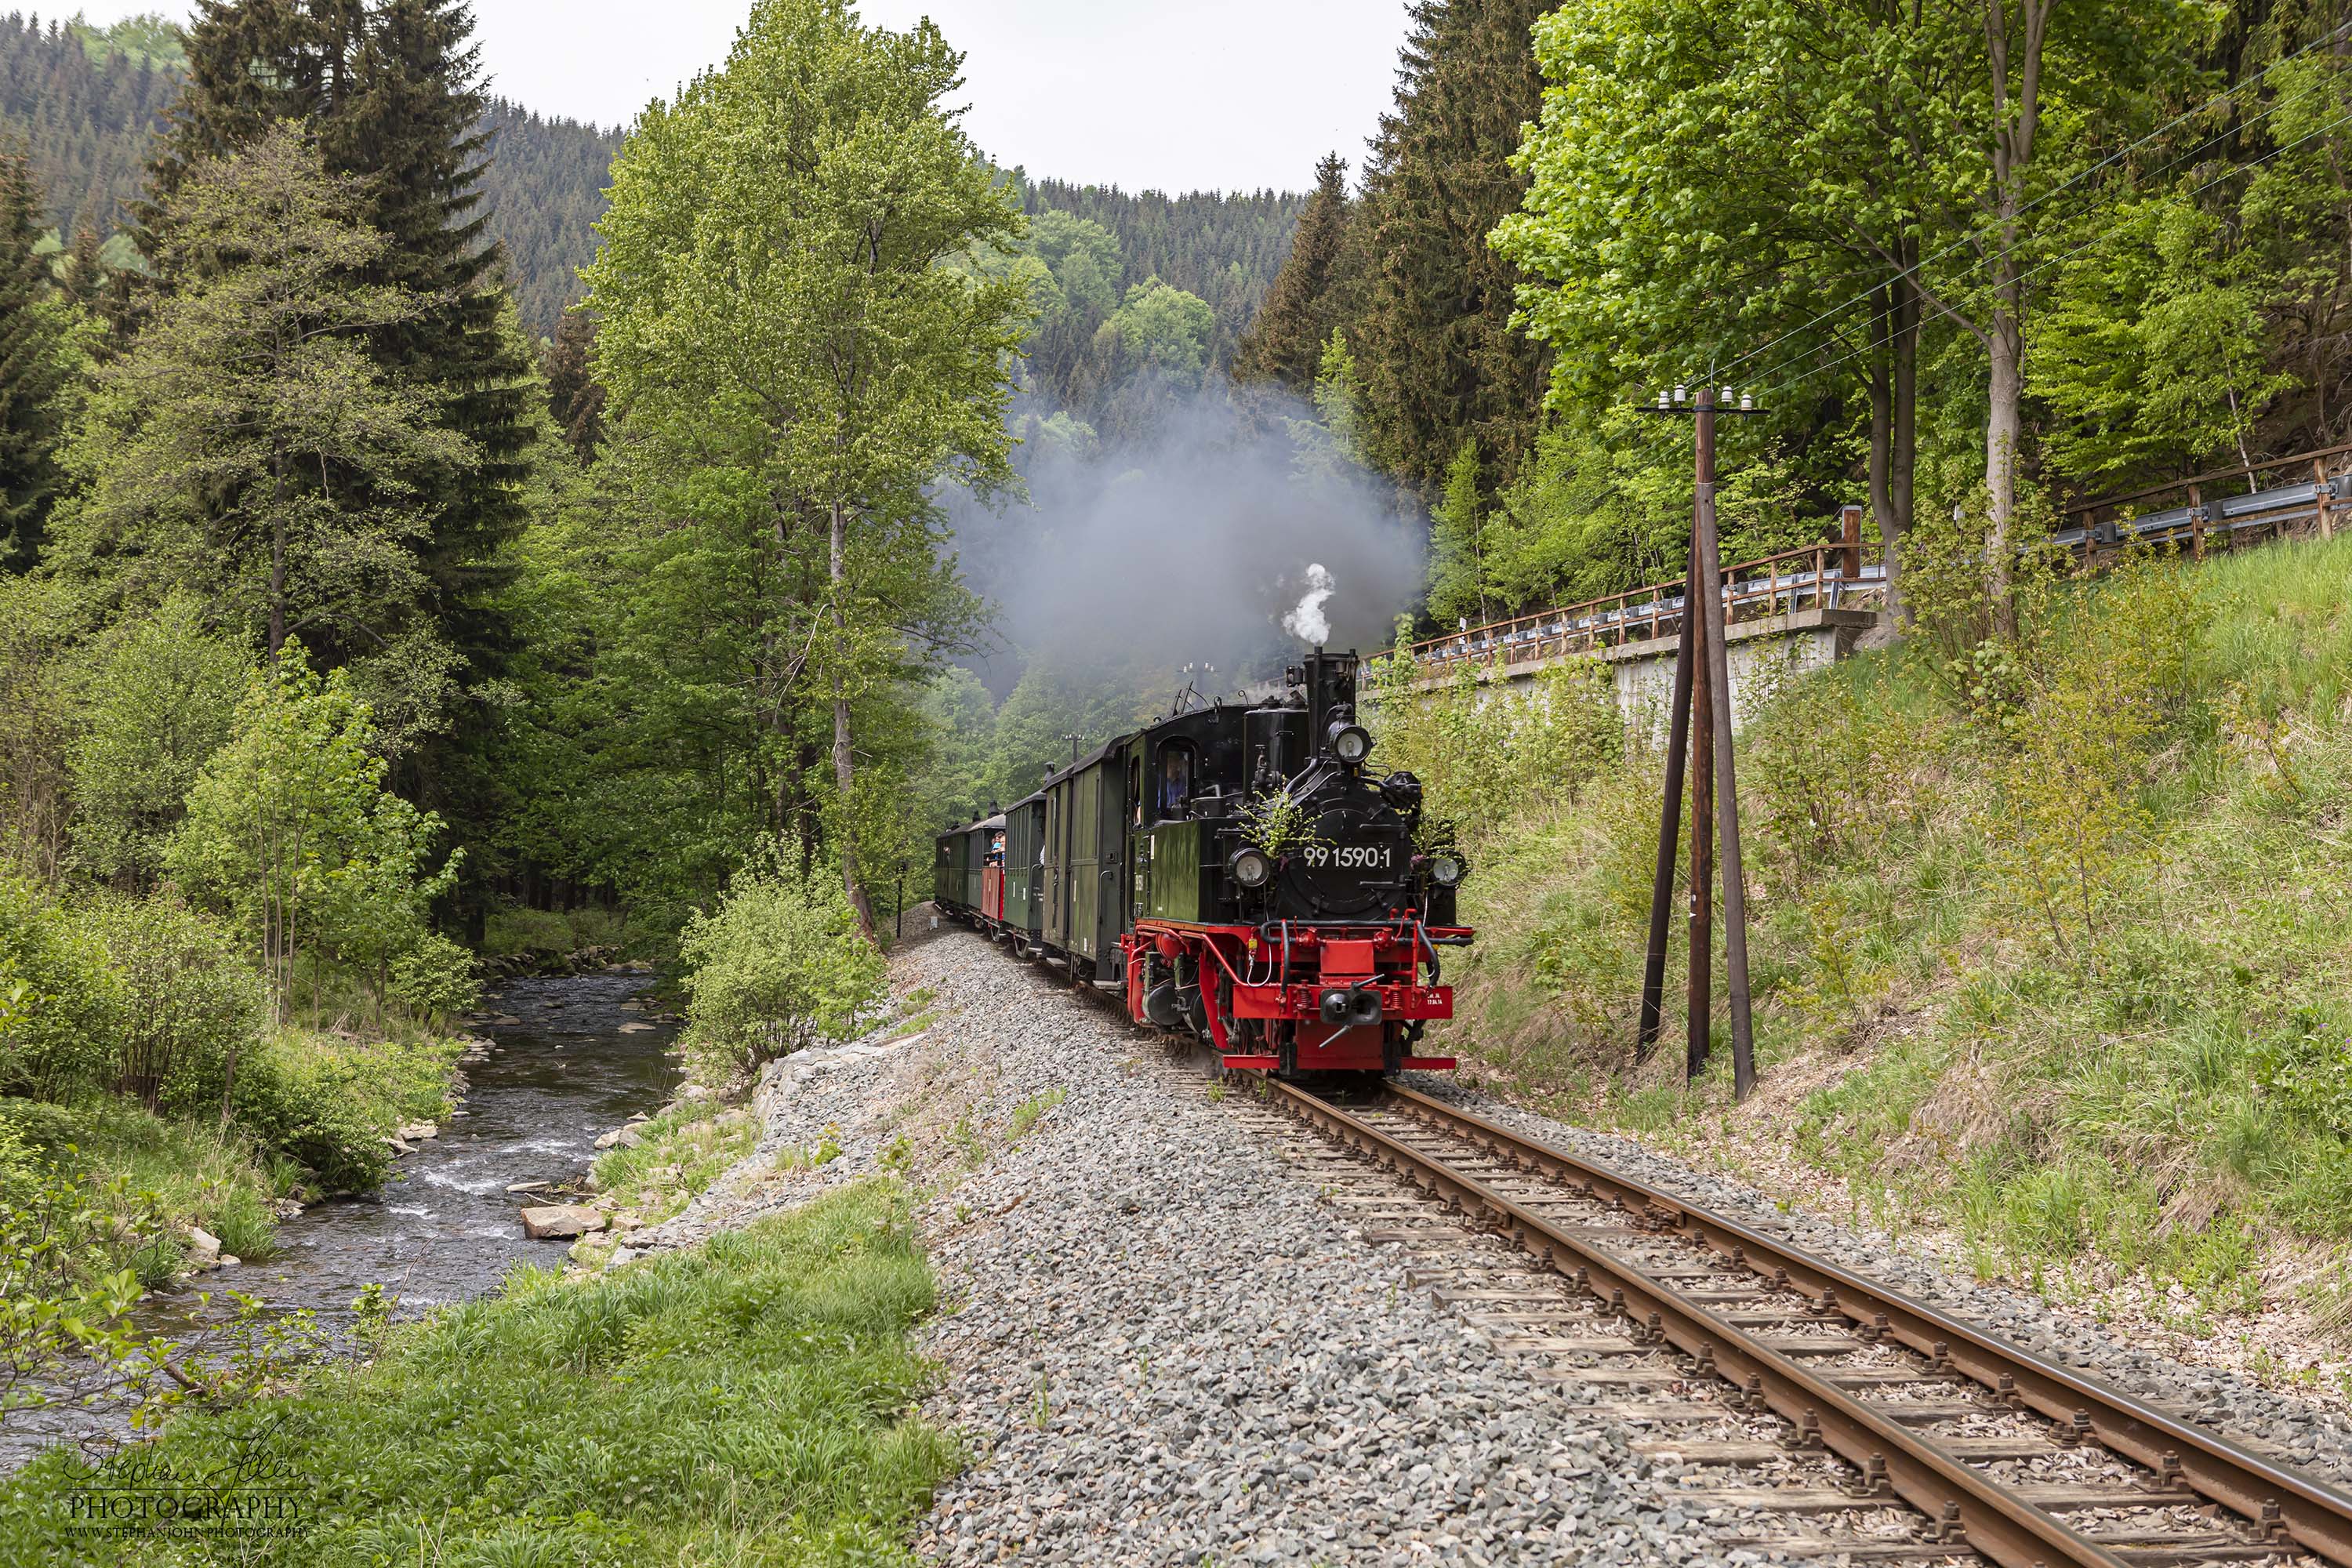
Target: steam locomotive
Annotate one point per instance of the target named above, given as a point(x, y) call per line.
point(1237, 874)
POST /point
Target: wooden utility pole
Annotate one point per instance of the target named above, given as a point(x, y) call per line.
point(1699, 1018)
point(1670, 822)
point(1702, 692)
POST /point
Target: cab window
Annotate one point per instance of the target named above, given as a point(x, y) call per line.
point(1173, 785)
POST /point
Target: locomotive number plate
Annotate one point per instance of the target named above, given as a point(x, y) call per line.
point(1351, 857)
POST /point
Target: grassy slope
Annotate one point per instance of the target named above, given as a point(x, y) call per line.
point(746, 1402)
point(2167, 1090)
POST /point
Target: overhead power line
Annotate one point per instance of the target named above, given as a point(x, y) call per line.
point(2192, 155)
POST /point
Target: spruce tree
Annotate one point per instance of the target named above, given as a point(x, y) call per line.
point(30, 374)
point(393, 95)
point(81, 275)
point(1284, 343)
point(575, 398)
point(391, 91)
point(1441, 361)
point(408, 127)
point(251, 63)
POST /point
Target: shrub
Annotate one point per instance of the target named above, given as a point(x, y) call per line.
point(60, 1005)
point(190, 1002)
point(157, 700)
point(290, 831)
point(328, 1102)
point(40, 1126)
point(778, 966)
point(435, 978)
point(2069, 823)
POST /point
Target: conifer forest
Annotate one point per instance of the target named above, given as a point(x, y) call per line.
point(497, 609)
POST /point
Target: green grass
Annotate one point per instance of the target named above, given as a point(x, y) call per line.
point(1026, 1114)
point(683, 1150)
point(2172, 1095)
point(747, 1402)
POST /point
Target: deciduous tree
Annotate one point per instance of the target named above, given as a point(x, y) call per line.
point(782, 334)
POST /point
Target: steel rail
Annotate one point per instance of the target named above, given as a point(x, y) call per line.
point(1904, 1464)
point(2287, 1505)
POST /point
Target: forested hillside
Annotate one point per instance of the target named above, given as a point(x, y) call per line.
point(84, 104)
point(543, 187)
point(1224, 248)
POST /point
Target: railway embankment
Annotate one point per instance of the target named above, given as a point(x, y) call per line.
point(1170, 1331)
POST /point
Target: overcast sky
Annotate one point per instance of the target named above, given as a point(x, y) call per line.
point(1199, 94)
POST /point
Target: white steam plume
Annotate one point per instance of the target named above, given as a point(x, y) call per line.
point(1307, 622)
point(1184, 543)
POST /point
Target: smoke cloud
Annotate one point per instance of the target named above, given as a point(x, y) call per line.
point(1307, 622)
point(1229, 535)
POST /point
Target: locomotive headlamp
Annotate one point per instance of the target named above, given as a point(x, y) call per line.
point(1351, 743)
point(1447, 870)
point(1251, 868)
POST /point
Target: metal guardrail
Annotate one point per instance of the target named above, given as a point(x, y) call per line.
point(1830, 575)
point(1851, 573)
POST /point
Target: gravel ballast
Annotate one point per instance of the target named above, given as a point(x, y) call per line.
point(1158, 1345)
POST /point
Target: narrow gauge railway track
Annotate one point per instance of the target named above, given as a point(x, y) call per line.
point(1894, 1432)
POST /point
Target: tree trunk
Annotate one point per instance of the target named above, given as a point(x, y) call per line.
point(2001, 426)
point(843, 764)
point(2015, 119)
point(805, 815)
point(278, 568)
point(1903, 439)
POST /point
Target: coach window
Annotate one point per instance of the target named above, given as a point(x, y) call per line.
point(1175, 778)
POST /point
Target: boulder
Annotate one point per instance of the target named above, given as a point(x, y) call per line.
point(400, 1145)
point(622, 1255)
point(416, 1130)
point(203, 1247)
point(553, 1222)
point(621, 1137)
